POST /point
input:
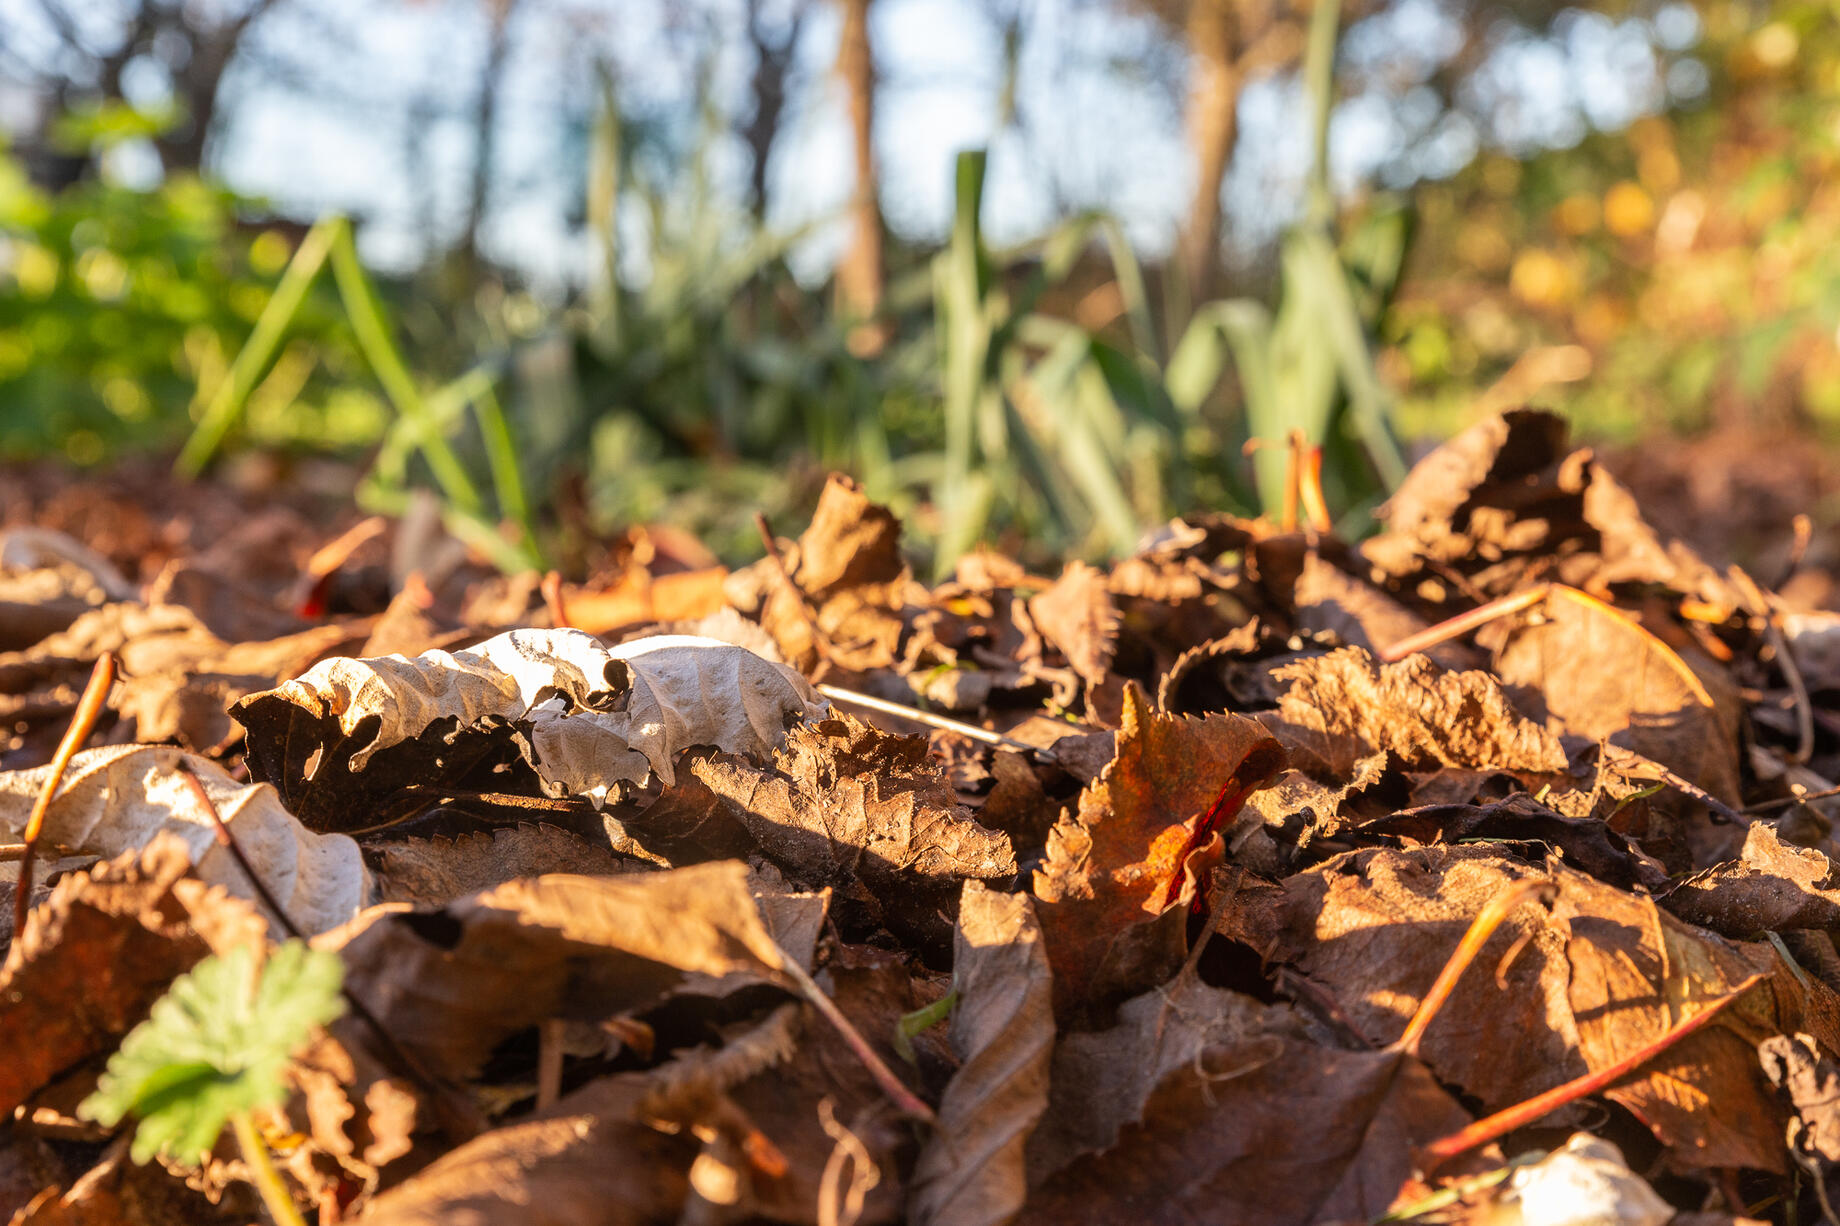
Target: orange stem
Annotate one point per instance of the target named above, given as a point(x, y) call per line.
point(1520, 1115)
point(89, 710)
point(1463, 623)
point(1481, 929)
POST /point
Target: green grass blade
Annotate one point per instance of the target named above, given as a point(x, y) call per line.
point(232, 393)
point(373, 333)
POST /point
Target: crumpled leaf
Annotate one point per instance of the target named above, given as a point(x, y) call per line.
point(583, 717)
point(1123, 861)
point(117, 798)
point(1344, 706)
point(846, 567)
point(1505, 499)
point(970, 1172)
point(1809, 1078)
point(216, 1045)
point(1771, 887)
point(845, 806)
point(1584, 843)
point(451, 983)
point(1605, 975)
point(110, 939)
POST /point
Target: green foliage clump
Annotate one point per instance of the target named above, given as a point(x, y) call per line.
point(121, 308)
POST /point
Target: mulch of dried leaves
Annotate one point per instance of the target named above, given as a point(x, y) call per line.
point(1481, 872)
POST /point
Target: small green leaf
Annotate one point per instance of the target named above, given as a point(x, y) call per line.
point(216, 1044)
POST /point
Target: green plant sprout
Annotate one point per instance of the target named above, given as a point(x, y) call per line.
point(213, 1051)
point(421, 420)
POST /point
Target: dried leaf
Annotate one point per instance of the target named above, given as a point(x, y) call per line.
point(970, 1173)
point(95, 957)
point(1078, 617)
point(584, 717)
point(119, 798)
point(1592, 672)
point(453, 982)
point(1607, 974)
point(1346, 706)
point(1771, 887)
point(1123, 861)
point(429, 872)
point(846, 806)
point(588, 1159)
point(1213, 1107)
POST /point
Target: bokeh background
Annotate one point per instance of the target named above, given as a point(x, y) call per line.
point(1034, 271)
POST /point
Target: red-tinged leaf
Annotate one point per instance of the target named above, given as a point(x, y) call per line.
point(1121, 865)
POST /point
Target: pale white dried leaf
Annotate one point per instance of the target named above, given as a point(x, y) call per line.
point(119, 797)
point(588, 716)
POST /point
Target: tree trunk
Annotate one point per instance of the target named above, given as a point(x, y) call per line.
point(485, 125)
point(772, 63)
point(859, 272)
point(1212, 127)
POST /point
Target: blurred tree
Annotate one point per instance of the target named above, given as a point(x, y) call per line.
point(773, 50)
point(485, 128)
point(860, 272)
point(1231, 42)
point(192, 45)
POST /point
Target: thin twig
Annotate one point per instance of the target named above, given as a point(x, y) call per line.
point(549, 1062)
point(1487, 920)
point(1520, 1115)
point(1463, 623)
point(1629, 760)
point(1802, 529)
point(1760, 604)
point(510, 800)
point(898, 1094)
point(1798, 687)
point(89, 710)
point(819, 643)
point(1784, 802)
point(228, 842)
point(872, 703)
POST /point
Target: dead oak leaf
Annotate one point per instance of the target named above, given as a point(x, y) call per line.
point(1123, 860)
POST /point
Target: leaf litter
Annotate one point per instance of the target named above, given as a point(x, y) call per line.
point(1476, 872)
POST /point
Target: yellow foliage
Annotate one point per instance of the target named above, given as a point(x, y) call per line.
point(1628, 210)
point(1541, 279)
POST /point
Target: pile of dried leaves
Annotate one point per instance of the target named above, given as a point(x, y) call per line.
point(1469, 874)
